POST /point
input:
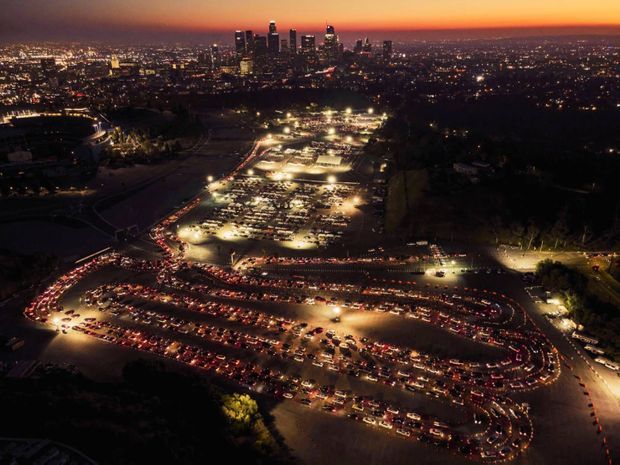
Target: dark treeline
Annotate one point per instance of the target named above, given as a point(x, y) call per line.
point(280, 99)
point(550, 181)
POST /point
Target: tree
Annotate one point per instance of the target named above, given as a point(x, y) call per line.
point(241, 411)
point(532, 232)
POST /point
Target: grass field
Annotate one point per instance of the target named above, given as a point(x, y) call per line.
point(404, 190)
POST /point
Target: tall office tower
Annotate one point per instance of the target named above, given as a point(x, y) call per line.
point(272, 27)
point(292, 40)
point(367, 47)
point(273, 43)
point(330, 43)
point(387, 50)
point(260, 45)
point(284, 46)
point(358, 46)
point(240, 47)
point(216, 58)
point(308, 44)
point(249, 41)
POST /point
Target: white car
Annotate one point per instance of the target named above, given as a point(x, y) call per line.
point(385, 424)
point(413, 416)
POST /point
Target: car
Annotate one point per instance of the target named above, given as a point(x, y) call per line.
point(414, 416)
point(385, 424)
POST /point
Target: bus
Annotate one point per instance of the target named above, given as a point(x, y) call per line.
point(584, 338)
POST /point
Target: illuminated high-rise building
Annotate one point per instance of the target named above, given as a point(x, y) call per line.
point(330, 43)
point(216, 58)
point(273, 43)
point(308, 44)
point(367, 47)
point(240, 46)
point(249, 41)
point(292, 40)
point(273, 39)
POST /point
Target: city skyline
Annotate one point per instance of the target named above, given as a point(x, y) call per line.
point(189, 20)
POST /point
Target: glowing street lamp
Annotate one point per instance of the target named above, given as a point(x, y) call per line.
point(337, 312)
point(210, 178)
point(349, 139)
point(331, 179)
point(331, 131)
point(287, 130)
point(348, 111)
point(371, 110)
point(250, 172)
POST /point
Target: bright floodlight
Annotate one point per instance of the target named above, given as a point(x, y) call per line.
point(287, 130)
point(331, 179)
point(288, 115)
point(348, 110)
point(331, 131)
point(251, 172)
point(210, 178)
point(371, 110)
point(337, 311)
point(349, 139)
point(356, 200)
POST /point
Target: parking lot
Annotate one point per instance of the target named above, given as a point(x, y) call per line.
point(448, 366)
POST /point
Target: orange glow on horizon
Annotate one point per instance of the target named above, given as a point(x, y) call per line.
point(369, 14)
point(345, 15)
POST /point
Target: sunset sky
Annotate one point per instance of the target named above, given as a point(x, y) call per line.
point(38, 19)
